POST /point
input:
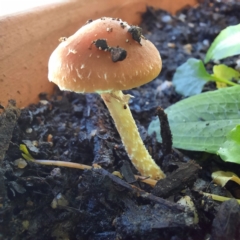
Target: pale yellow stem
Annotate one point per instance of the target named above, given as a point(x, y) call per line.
point(218, 198)
point(117, 104)
point(62, 164)
point(148, 181)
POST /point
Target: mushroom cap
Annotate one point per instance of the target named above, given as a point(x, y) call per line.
point(78, 64)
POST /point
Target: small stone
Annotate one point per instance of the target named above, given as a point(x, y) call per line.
point(191, 25)
point(59, 200)
point(166, 19)
point(56, 172)
point(171, 45)
point(165, 86)
point(201, 24)
point(20, 163)
point(182, 17)
point(188, 48)
point(93, 133)
point(49, 138)
point(44, 102)
point(29, 130)
point(206, 42)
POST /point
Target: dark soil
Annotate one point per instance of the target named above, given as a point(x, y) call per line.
point(46, 202)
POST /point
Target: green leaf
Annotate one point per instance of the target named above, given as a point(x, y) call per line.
point(25, 153)
point(229, 151)
point(226, 44)
point(201, 122)
point(224, 74)
point(190, 77)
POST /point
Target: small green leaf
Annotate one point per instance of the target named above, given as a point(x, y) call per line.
point(224, 74)
point(230, 149)
point(201, 122)
point(223, 71)
point(25, 153)
point(190, 77)
point(23, 149)
point(226, 44)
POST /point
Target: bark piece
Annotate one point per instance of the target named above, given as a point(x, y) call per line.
point(184, 176)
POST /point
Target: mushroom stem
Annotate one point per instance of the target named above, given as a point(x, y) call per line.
point(117, 104)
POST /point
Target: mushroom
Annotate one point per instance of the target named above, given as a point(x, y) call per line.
point(107, 56)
